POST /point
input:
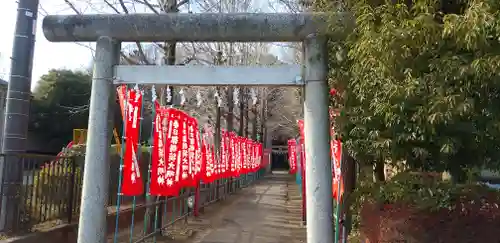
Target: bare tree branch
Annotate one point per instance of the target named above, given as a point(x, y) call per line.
point(72, 6)
point(112, 6)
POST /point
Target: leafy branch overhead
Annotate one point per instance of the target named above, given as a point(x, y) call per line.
point(419, 83)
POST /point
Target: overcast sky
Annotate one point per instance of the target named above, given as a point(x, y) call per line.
point(47, 55)
point(55, 55)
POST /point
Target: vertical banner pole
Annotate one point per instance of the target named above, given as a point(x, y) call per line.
point(339, 200)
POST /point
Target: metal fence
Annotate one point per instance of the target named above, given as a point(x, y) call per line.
point(41, 191)
point(136, 225)
point(37, 190)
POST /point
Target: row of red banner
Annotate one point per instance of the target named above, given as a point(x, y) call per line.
point(181, 155)
point(294, 150)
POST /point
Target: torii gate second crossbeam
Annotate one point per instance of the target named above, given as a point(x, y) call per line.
point(110, 30)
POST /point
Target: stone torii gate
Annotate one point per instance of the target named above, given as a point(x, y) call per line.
point(108, 31)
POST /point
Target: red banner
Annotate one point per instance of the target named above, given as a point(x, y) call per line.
point(177, 144)
point(173, 149)
point(337, 190)
point(261, 156)
point(158, 165)
point(223, 159)
point(209, 166)
point(183, 162)
point(192, 157)
point(254, 156)
point(239, 155)
point(256, 164)
point(198, 151)
point(292, 155)
point(236, 156)
point(132, 184)
point(243, 159)
point(227, 145)
point(231, 155)
point(204, 157)
point(249, 155)
point(301, 143)
point(162, 173)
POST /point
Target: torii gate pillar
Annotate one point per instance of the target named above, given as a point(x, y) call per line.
point(109, 30)
point(318, 167)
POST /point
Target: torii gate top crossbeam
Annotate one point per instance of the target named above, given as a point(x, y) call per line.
point(202, 27)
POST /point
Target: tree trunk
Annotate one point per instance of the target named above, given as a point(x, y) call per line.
point(378, 171)
point(349, 178)
point(263, 117)
point(246, 118)
point(254, 123)
point(242, 111)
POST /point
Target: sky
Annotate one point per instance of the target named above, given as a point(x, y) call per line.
point(47, 55)
point(50, 55)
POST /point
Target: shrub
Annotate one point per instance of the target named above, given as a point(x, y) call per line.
point(52, 182)
point(416, 207)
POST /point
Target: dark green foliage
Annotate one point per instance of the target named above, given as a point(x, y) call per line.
point(421, 86)
point(60, 104)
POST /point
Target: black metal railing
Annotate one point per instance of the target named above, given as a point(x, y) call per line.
point(37, 190)
point(42, 191)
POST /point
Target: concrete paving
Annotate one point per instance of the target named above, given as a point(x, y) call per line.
point(267, 212)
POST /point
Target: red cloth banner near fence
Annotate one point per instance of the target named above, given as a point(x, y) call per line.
point(199, 155)
point(173, 148)
point(249, 155)
point(227, 149)
point(337, 190)
point(239, 153)
point(158, 165)
point(132, 184)
point(302, 154)
point(192, 150)
point(243, 156)
point(223, 160)
point(231, 154)
point(292, 155)
point(209, 167)
point(183, 163)
point(301, 143)
point(162, 175)
point(246, 158)
point(256, 157)
point(236, 154)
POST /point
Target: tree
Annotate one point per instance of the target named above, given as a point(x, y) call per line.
point(59, 105)
point(419, 83)
point(193, 54)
